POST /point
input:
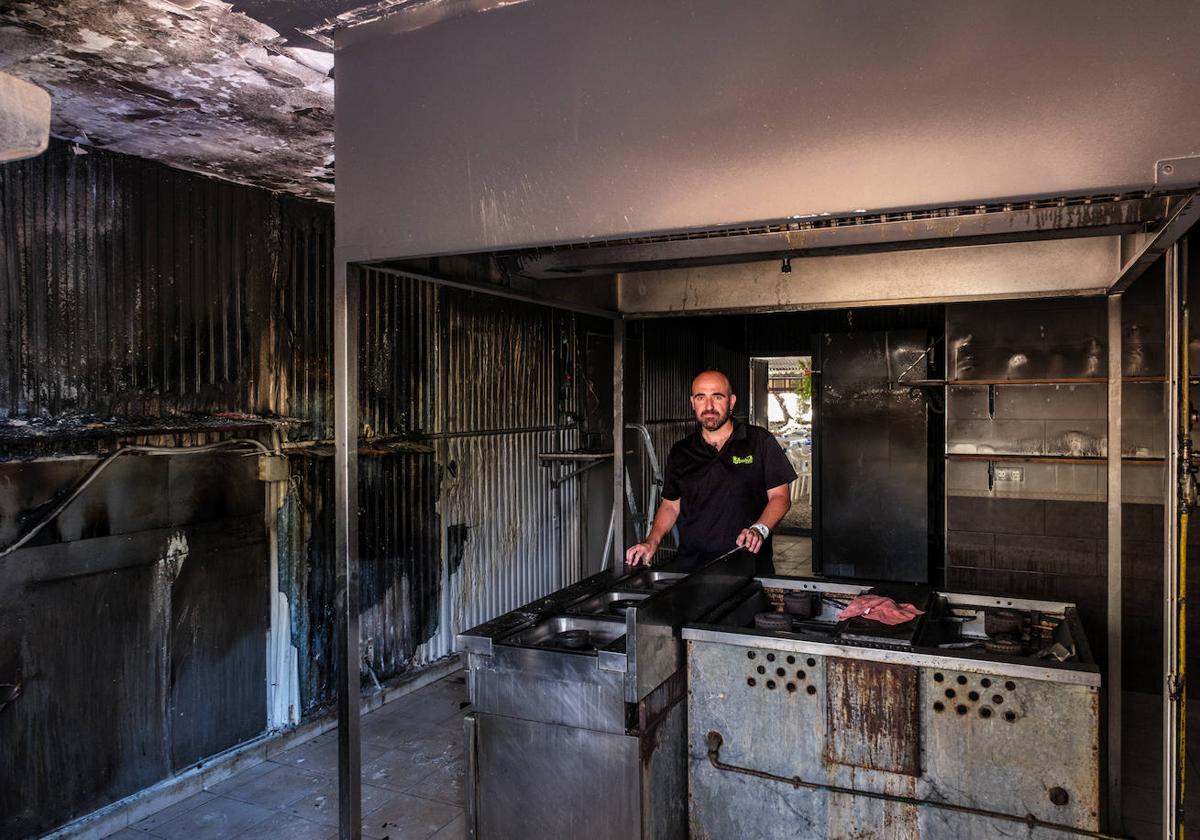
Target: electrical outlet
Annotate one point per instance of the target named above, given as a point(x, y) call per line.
point(1010, 475)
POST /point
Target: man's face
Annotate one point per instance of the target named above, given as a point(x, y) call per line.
point(712, 400)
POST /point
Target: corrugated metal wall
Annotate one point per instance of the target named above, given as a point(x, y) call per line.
point(462, 523)
point(136, 290)
point(509, 390)
point(140, 304)
point(138, 300)
point(668, 353)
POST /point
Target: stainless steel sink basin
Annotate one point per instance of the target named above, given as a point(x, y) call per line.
point(609, 603)
point(573, 633)
point(652, 579)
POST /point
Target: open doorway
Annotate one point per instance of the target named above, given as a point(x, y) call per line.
point(781, 401)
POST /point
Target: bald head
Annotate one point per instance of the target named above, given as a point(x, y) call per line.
point(712, 399)
point(712, 381)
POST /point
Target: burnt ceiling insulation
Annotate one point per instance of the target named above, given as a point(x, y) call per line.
point(242, 91)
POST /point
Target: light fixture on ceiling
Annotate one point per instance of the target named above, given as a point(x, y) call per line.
point(786, 268)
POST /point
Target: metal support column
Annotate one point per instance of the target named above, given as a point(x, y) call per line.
point(1171, 580)
point(618, 512)
point(345, 478)
point(1113, 675)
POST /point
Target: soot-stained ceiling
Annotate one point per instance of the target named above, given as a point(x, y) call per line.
point(242, 91)
point(193, 83)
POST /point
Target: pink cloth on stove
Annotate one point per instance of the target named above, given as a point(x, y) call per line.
point(881, 609)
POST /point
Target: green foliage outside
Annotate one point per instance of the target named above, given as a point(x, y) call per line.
point(804, 386)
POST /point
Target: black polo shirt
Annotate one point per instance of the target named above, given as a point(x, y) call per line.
point(720, 493)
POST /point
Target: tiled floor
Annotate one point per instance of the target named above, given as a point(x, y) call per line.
point(793, 555)
point(412, 753)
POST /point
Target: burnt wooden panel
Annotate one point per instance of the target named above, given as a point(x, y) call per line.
point(874, 716)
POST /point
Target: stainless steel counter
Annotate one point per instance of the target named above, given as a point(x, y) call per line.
point(578, 726)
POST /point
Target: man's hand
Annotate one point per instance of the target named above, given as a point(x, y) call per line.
point(641, 554)
point(750, 539)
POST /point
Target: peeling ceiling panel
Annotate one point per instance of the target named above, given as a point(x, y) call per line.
point(195, 84)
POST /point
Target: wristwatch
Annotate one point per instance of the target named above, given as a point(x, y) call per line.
point(763, 530)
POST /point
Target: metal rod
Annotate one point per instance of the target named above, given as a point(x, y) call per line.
point(495, 291)
point(1113, 676)
point(714, 741)
point(618, 520)
point(345, 479)
point(1178, 263)
point(608, 540)
point(557, 482)
point(1161, 241)
point(1171, 579)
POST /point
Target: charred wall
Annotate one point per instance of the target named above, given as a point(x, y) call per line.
point(142, 304)
point(139, 304)
point(1026, 499)
point(459, 521)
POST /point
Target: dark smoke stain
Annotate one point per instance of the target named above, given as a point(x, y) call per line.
point(456, 545)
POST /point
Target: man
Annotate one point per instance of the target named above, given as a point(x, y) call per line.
point(726, 484)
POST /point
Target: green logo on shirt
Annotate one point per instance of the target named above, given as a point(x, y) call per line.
point(749, 459)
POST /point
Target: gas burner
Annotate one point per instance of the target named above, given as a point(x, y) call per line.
point(1004, 643)
point(1003, 622)
point(572, 639)
point(772, 621)
point(801, 604)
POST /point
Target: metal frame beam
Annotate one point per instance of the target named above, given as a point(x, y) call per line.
point(1139, 251)
point(618, 511)
point(346, 300)
point(1114, 626)
point(1171, 582)
point(496, 290)
point(950, 227)
point(1072, 266)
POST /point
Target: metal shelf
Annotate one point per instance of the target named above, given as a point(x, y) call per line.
point(1068, 380)
point(1051, 459)
point(577, 455)
point(1081, 380)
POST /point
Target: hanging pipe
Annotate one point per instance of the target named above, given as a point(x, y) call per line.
point(1181, 671)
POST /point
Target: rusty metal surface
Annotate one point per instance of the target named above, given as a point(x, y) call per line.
point(780, 724)
point(874, 717)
